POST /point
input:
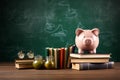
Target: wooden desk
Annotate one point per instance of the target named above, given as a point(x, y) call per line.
point(8, 72)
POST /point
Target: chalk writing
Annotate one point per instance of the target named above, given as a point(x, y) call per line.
point(51, 28)
point(71, 13)
point(60, 34)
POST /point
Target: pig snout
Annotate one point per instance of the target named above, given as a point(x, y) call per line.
point(88, 42)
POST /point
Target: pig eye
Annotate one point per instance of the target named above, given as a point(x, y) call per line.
point(83, 36)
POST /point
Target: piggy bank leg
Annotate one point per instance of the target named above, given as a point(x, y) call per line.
point(80, 51)
point(93, 51)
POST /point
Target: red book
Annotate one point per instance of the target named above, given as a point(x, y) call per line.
point(62, 55)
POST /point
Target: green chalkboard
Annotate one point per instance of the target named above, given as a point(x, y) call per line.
point(37, 24)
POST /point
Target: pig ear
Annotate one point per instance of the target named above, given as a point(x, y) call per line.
point(95, 31)
point(78, 31)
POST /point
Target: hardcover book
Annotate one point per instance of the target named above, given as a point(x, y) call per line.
point(23, 63)
point(62, 58)
point(92, 66)
point(23, 66)
point(71, 49)
point(24, 60)
point(89, 60)
point(57, 58)
point(75, 55)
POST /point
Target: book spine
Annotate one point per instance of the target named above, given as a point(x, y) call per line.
point(93, 66)
point(58, 58)
point(50, 51)
point(71, 49)
point(62, 52)
point(55, 57)
point(65, 59)
point(23, 66)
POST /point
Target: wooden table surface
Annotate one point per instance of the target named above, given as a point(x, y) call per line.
point(8, 72)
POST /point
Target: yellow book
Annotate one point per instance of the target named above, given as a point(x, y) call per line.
point(89, 60)
point(75, 55)
point(23, 63)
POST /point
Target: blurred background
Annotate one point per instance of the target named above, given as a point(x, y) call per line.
point(36, 24)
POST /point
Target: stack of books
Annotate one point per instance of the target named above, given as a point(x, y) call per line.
point(24, 63)
point(91, 61)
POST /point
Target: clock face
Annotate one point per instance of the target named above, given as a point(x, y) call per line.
point(21, 55)
point(30, 55)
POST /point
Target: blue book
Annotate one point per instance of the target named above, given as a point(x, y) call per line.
point(92, 66)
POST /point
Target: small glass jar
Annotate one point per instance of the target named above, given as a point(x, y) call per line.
point(49, 63)
point(38, 62)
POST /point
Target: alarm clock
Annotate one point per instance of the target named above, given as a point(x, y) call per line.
point(30, 55)
point(21, 55)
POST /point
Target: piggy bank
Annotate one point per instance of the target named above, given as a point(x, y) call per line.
point(87, 40)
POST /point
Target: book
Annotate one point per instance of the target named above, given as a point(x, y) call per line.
point(92, 66)
point(24, 63)
point(71, 49)
point(23, 66)
point(24, 60)
point(65, 58)
point(57, 58)
point(48, 51)
point(73, 55)
point(89, 60)
point(62, 57)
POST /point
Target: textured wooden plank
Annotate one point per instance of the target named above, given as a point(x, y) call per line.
point(10, 73)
